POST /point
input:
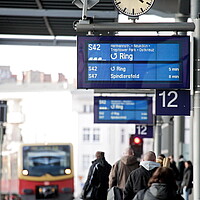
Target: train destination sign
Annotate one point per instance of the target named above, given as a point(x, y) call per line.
point(123, 110)
point(133, 62)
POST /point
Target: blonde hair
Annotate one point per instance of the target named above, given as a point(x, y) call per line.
point(164, 162)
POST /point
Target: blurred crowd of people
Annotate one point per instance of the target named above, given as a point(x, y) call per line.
point(153, 178)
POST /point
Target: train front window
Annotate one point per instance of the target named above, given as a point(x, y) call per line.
point(41, 160)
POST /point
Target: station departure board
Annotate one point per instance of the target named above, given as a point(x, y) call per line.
point(136, 110)
point(124, 62)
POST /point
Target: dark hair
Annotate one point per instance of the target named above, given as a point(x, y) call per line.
point(99, 154)
point(189, 163)
point(162, 155)
point(181, 156)
point(164, 175)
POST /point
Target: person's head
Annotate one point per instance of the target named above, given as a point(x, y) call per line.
point(128, 152)
point(181, 156)
point(188, 164)
point(149, 156)
point(163, 175)
point(99, 154)
point(171, 158)
point(160, 159)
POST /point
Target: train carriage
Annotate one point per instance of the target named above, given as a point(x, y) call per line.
point(39, 171)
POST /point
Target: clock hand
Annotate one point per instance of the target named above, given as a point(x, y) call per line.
point(118, 3)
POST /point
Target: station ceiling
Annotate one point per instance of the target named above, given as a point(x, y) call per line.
point(56, 17)
point(48, 17)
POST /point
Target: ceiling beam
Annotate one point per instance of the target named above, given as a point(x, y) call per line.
point(46, 21)
point(38, 41)
point(57, 13)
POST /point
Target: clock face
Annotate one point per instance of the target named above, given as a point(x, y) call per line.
point(133, 8)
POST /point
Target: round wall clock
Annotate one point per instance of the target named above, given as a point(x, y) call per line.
point(133, 8)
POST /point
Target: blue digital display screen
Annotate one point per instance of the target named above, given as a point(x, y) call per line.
point(123, 110)
point(133, 62)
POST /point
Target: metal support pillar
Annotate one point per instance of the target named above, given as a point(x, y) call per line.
point(191, 154)
point(167, 135)
point(84, 11)
point(179, 122)
point(195, 11)
point(158, 135)
point(196, 136)
point(171, 136)
point(195, 8)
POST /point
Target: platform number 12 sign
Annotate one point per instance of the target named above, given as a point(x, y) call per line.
point(173, 102)
point(144, 131)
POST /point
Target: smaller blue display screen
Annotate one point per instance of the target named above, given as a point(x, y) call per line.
point(123, 110)
point(133, 62)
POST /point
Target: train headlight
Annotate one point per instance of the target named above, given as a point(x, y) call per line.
point(40, 190)
point(25, 172)
point(68, 171)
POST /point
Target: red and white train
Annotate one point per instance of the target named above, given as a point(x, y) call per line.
point(38, 171)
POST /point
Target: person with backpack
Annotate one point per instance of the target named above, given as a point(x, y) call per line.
point(162, 185)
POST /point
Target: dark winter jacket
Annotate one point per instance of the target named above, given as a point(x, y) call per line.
point(98, 179)
point(121, 170)
point(181, 167)
point(158, 191)
point(138, 178)
point(175, 170)
point(187, 178)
